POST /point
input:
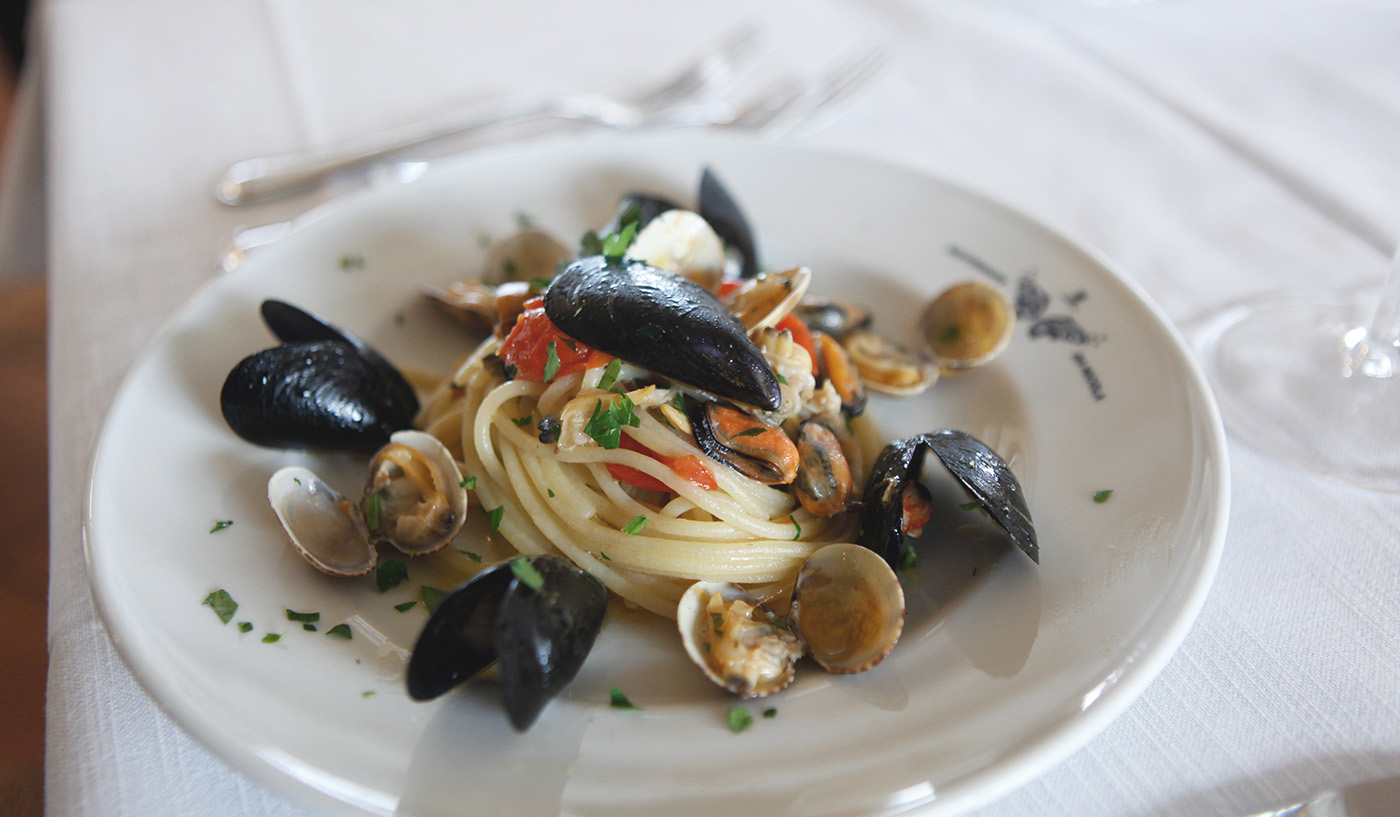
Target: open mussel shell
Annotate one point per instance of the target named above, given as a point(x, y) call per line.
point(292, 324)
point(847, 608)
point(968, 325)
point(718, 207)
point(738, 643)
point(323, 525)
point(834, 318)
point(320, 394)
point(759, 450)
point(979, 469)
point(536, 618)
point(661, 322)
point(414, 498)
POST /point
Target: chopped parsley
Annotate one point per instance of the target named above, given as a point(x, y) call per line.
point(717, 621)
point(475, 557)
point(650, 331)
point(310, 628)
point(950, 334)
point(751, 432)
point(390, 573)
point(273, 638)
point(605, 555)
point(551, 360)
point(620, 701)
point(494, 516)
point(245, 626)
point(305, 618)
point(352, 260)
point(432, 597)
point(222, 524)
point(739, 718)
point(368, 694)
point(1102, 496)
point(406, 606)
point(521, 422)
point(610, 374)
point(908, 560)
point(971, 506)
point(770, 712)
point(373, 511)
point(538, 284)
point(223, 604)
point(635, 526)
point(798, 534)
point(605, 425)
point(341, 631)
point(524, 220)
point(527, 573)
point(469, 483)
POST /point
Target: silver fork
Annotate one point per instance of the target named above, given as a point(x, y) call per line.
point(268, 177)
point(776, 109)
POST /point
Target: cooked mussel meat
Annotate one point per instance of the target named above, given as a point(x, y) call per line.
point(979, 469)
point(739, 643)
point(834, 318)
point(823, 481)
point(847, 608)
point(661, 322)
point(755, 448)
point(536, 618)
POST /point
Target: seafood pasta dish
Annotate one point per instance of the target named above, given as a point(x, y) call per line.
point(651, 415)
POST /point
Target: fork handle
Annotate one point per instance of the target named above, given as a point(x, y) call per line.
point(264, 178)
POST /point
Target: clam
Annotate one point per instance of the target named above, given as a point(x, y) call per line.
point(535, 618)
point(413, 500)
point(684, 243)
point(482, 307)
point(661, 322)
point(847, 608)
point(527, 255)
point(764, 300)
point(757, 449)
point(322, 525)
point(984, 474)
point(968, 325)
point(736, 641)
point(888, 368)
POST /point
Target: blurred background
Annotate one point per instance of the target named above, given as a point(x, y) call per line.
point(23, 490)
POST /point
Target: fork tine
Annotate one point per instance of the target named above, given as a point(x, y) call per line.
point(832, 88)
point(712, 69)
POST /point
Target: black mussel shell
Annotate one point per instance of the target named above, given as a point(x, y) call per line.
point(662, 322)
point(322, 395)
point(648, 206)
point(292, 324)
point(459, 639)
point(978, 468)
point(722, 212)
point(543, 636)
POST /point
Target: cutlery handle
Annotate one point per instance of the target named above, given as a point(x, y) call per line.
point(269, 177)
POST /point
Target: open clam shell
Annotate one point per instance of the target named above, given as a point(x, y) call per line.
point(414, 499)
point(324, 526)
point(968, 325)
point(847, 607)
point(736, 641)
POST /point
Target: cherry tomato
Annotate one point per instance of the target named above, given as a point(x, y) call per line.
point(527, 347)
point(690, 467)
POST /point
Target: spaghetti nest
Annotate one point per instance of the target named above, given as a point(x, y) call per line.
point(572, 490)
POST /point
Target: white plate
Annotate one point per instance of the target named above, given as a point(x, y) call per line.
point(1004, 669)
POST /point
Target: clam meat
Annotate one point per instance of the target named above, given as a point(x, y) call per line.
point(737, 642)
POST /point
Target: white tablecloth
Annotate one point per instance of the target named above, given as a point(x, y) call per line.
point(1210, 150)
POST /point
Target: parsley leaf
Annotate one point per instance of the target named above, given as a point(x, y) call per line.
point(406, 606)
point(391, 573)
point(526, 573)
point(1102, 496)
point(605, 425)
point(620, 701)
point(341, 631)
point(223, 604)
point(494, 516)
point(551, 361)
point(635, 526)
point(610, 374)
point(273, 638)
point(432, 597)
point(739, 718)
point(306, 618)
point(469, 483)
point(222, 524)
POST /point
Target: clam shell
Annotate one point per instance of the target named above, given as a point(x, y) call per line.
point(323, 525)
point(847, 607)
point(968, 325)
point(411, 537)
point(760, 664)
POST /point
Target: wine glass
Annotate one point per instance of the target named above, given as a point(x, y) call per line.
point(1314, 383)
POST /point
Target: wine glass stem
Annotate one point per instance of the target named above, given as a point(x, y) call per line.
point(1377, 352)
